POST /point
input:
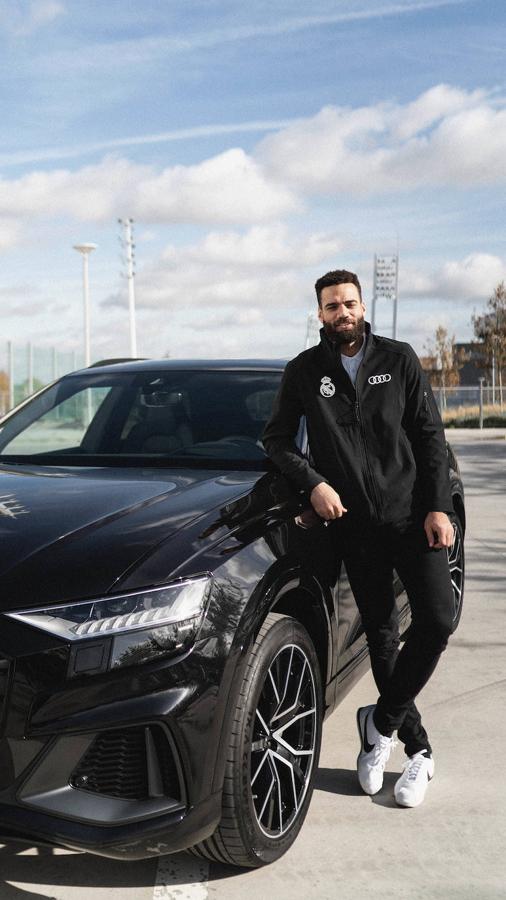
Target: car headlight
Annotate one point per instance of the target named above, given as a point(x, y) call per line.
point(134, 628)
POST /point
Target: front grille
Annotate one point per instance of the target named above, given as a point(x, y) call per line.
point(135, 763)
point(4, 682)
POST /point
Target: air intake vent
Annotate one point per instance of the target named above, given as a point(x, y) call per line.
point(132, 764)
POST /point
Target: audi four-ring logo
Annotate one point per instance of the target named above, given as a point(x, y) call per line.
point(379, 379)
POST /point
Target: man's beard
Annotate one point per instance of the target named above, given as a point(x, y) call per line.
point(345, 337)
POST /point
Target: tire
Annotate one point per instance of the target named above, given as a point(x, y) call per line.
point(273, 749)
point(457, 569)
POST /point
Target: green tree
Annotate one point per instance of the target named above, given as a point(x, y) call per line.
point(490, 329)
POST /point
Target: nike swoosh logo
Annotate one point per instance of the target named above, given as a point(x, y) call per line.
point(367, 746)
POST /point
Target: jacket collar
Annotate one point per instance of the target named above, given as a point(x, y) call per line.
point(330, 352)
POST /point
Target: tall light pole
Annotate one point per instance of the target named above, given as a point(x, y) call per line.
point(129, 245)
point(85, 250)
point(385, 286)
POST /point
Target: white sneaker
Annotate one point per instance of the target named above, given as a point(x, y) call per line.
point(410, 788)
point(374, 753)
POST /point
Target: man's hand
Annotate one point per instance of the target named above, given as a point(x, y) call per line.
point(439, 530)
point(326, 502)
point(307, 518)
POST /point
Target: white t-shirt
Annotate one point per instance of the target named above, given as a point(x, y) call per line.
point(352, 363)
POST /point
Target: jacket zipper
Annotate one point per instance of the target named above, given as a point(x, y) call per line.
point(427, 406)
point(369, 473)
point(369, 477)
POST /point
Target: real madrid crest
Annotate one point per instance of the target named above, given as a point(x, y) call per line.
point(327, 389)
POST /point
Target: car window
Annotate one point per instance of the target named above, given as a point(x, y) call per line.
point(168, 414)
point(60, 428)
point(259, 404)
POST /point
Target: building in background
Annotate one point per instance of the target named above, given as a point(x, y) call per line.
point(474, 366)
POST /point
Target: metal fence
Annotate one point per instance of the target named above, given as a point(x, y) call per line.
point(460, 403)
point(25, 369)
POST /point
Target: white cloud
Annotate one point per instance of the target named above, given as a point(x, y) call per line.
point(419, 329)
point(430, 107)
point(231, 294)
point(146, 236)
point(33, 309)
point(265, 267)
point(89, 194)
point(471, 278)
point(10, 233)
point(196, 290)
point(230, 317)
point(197, 132)
point(464, 280)
point(446, 137)
point(23, 18)
point(231, 334)
point(263, 246)
point(43, 11)
point(228, 188)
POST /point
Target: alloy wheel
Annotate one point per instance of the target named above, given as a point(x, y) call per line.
point(456, 563)
point(283, 743)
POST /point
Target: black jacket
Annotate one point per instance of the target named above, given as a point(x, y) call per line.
point(380, 444)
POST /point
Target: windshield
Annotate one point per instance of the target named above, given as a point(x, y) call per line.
point(189, 418)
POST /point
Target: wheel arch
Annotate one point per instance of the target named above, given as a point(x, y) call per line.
point(289, 593)
point(307, 608)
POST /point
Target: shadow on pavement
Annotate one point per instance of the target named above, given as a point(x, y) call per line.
point(386, 796)
point(344, 781)
point(46, 866)
point(338, 781)
point(9, 892)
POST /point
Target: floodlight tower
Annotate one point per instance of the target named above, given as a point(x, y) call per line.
point(85, 250)
point(128, 243)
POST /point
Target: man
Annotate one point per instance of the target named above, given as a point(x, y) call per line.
point(379, 468)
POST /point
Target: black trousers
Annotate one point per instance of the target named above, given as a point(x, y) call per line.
point(370, 556)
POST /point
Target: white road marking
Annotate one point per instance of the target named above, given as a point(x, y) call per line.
point(181, 877)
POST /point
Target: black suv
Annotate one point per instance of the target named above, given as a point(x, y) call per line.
point(170, 639)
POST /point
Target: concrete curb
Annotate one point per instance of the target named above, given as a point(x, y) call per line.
point(475, 434)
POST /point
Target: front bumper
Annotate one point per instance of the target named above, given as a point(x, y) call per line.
point(123, 764)
point(140, 840)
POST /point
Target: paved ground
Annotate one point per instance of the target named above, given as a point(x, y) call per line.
point(353, 847)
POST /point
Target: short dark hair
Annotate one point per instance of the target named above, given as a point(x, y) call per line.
point(338, 276)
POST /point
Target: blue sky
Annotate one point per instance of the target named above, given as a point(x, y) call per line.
point(256, 146)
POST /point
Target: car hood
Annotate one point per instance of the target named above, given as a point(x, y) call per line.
point(71, 533)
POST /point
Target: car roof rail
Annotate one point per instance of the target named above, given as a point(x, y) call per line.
point(118, 359)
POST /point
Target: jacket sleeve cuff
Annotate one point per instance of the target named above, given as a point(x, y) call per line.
point(440, 504)
point(313, 479)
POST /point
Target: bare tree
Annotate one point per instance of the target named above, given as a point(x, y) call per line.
point(443, 362)
point(4, 393)
point(490, 329)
